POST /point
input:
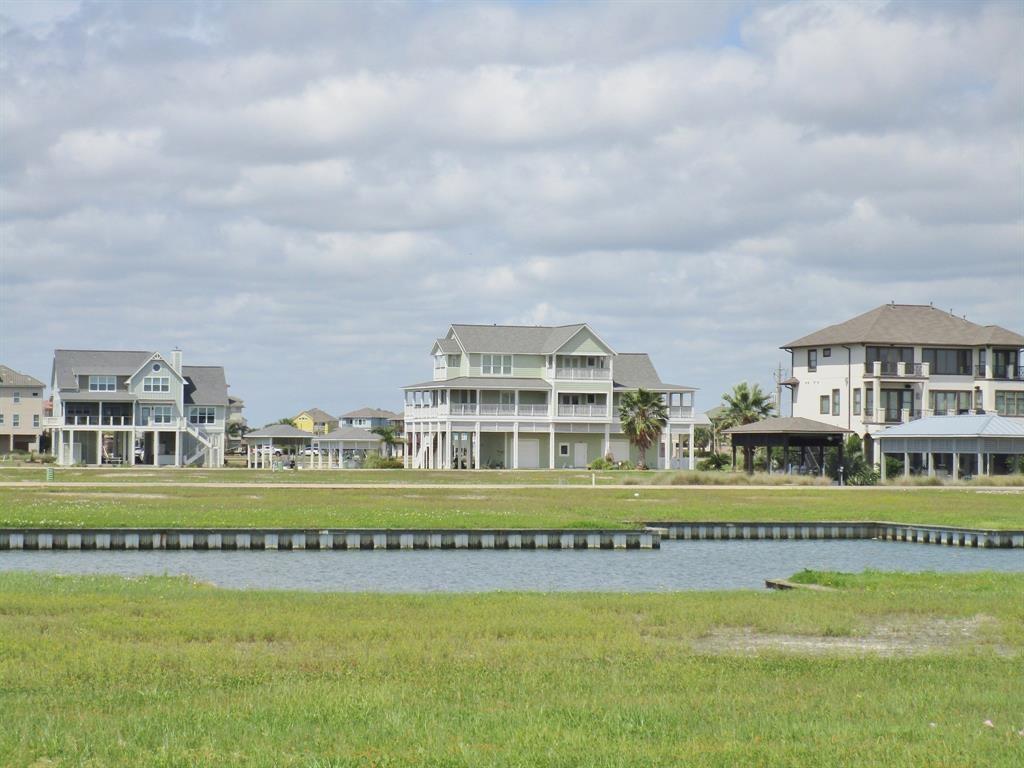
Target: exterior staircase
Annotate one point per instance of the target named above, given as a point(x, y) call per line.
point(204, 440)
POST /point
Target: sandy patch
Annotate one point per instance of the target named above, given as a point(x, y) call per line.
point(899, 638)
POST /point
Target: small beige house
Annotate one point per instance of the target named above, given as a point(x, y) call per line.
point(21, 411)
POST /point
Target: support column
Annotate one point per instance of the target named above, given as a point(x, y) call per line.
point(551, 445)
point(99, 447)
point(515, 445)
point(906, 464)
point(956, 466)
point(177, 448)
point(930, 457)
point(248, 457)
point(607, 440)
point(693, 458)
point(981, 464)
point(58, 435)
point(668, 446)
point(71, 446)
point(881, 461)
point(476, 447)
point(768, 459)
point(156, 448)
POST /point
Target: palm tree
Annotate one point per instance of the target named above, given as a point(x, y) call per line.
point(643, 415)
point(390, 436)
point(289, 421)
point(746, 404)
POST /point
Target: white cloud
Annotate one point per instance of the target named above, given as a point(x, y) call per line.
point(255, 182)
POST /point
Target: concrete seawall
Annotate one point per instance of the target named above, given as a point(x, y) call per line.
point(296, 539)
point(919, 534)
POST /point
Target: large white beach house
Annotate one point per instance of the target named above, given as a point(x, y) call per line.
point(900, 362)
point(523, 397)
point(121, 407)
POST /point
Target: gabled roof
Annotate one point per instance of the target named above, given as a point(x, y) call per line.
point(351, 433)
point(279, 430)
point(909, 324)
point(205, 385)
point(981, 425)
point(318, 416)
point(634, 370)
point(369, 413)
point(786, 424)
point(517, 339)
point(68, 364)
point(448, 346)
point(12, 378)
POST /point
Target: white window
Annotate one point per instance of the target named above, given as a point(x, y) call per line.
point(1, 419)
point(102, 383)
point(202, 414)
point(563, 449)
point(35, 419)
point(15, 420)
point(17, 397)
point(156, 384)
point(496, 365)
point(156, 414)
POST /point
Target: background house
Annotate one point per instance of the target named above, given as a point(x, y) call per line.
point(21, 411)
point(316, 421)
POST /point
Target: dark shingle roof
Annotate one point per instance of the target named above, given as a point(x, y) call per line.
point(12, 378)
point(790, 424)
point(205, 385)
point(909, 324)
point(515, 339)
point(449, 346)
point(351, 433)
point(280, 430)
point(482, 382)
point(318, 415)
point(68, 364)
point(634, 370)
point(369, 413)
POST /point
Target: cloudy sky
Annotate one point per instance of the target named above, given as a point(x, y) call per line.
point(309, 193)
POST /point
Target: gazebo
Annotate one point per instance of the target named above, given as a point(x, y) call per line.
point(953, 445)
point(345, 444)
point(787, 432)
point(262, 442)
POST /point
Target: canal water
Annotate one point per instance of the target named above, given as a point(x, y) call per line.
point(677, 565)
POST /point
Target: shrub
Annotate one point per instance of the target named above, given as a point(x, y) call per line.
point(47, 458)
point(715, 462)
point(376, 461)
point(601, 463)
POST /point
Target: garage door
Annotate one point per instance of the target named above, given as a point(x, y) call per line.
point(529, 454)
point(620, 449)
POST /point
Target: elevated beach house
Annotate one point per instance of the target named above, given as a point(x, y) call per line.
point(524, 397)
point(21, 411)
point(900, 362)
point(130, 407)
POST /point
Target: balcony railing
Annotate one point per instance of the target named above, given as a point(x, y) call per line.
point(583, 374)
point(890, 415)
point(497, 409)
point(583, 410)
point(680, 411)
point(533, 409)
point(889, 368)
point(462, 409)
point(1008, 373)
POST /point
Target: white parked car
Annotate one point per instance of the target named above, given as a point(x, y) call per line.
point(267, 449)
point(310, 451)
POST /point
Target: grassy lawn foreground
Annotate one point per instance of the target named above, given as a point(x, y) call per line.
point(483, 508)
point(104, 671)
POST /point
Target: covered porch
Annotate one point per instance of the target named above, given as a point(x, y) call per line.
point(797, 437)
point(954, 446)
point(272, 446)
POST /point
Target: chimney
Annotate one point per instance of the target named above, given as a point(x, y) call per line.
point(176, 360)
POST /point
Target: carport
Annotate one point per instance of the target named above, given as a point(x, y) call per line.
point(982, 444)
point(787, 433)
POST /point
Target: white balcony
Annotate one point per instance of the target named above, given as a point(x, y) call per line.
point(680, 411)
point(583, 374)
point(462, 409)
point(497, 409)
point(534, 409)
point(586, 411)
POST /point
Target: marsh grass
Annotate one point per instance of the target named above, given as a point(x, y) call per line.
point(426, 507)
point(116, 672)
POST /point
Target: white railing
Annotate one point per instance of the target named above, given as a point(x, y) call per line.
point(536, 409)
point(582, 410)
point(583, 374)
point(461, 409)
point(680, 411)
point(497, 409)
point(53, 421)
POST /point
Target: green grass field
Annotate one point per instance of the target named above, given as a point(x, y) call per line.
point(427, 507)
point(889, 670)
point(165, 475)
